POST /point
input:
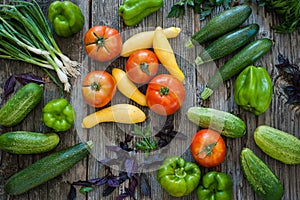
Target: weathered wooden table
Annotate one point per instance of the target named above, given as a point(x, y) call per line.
point(279, 115)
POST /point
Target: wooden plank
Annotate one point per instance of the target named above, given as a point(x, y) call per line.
point(103, 12)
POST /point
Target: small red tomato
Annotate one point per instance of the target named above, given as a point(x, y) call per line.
point(142, 66)
point(208, 148)
point(102, 43)
point(98, 88)
point(165, 94)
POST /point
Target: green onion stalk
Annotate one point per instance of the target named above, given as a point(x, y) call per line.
point(25, 35)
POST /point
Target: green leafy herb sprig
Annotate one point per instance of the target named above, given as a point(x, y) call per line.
point(289, 12)
point(146, 144)
point(202, 7)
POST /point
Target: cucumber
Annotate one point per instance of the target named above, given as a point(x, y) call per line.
point(247, 56)
point(223, 122)
point(46, 169)
point(220, 24)
point(278, 144)
point(23, 142)
point(20, 104)
point(227, 44)
point(261, 178)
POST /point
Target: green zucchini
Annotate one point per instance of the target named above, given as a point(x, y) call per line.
point(20, 104)
point(278, 144)
point(23, 142)
point(46, 169)
point(223, 122)
point(261, 178)
point(227, 44)
point(220, 24)
point(245, 57)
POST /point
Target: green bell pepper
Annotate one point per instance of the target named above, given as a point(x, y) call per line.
point(58, 114)
point(253, 89)
point(65, 17)
point(133, 11)
point(215, 186)
point(178, 177)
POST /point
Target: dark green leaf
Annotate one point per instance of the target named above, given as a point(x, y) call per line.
point(190, 2)
point(176, 11)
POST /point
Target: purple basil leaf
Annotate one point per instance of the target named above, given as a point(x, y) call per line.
point(123, 176)
point(122, 196)
point(282, 60)
point(145, 186)
point(133, 183)
point(128, 138)
point(114, 148)
point(98, 181)
point(110, 161)
point(9, 86)
point(108, 190)
point(125, 146)
point(29, 78)
point(113, 182)
point(72, 193)
point(131, 166)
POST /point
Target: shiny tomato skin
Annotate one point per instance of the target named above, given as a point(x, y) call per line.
point(98, 88)
point(142, 66)
point(165, 94)
point(102, 43)
point(205, 141)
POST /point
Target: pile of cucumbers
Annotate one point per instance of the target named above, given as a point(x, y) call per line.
point(13, 112)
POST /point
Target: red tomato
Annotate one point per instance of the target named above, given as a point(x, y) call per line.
point(165, 94)
point(208, 148)
point(98, 88)
point(142, 66)
point(102, 43)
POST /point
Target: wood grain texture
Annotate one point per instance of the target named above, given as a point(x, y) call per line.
point(103, 12)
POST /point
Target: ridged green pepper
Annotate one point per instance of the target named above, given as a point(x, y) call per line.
point(133, 11)
point(178, 177)
point(65, 17)
point(253, 89)
point(215, 186)
point(58, 114)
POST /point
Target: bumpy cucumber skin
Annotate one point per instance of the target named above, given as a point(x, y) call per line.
point(46, 169)
point(278, 144)
point(222, 23)
point(225, 123)
point(262, 180)
point(227, 44)
point(23, 142)
point(20, 104)
point(247, 56)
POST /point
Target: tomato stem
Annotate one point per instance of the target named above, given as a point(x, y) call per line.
point(145, 68)
point(208, 149)
point(164, 91)
point(95, 86)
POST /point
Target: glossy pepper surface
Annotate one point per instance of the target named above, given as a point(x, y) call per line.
point(133, 11)
point(65, 17)
point(58, 114)
point(178, 177)
point(253, 89)
point(215, 186)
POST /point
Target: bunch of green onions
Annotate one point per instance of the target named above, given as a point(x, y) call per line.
point(25, 35)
